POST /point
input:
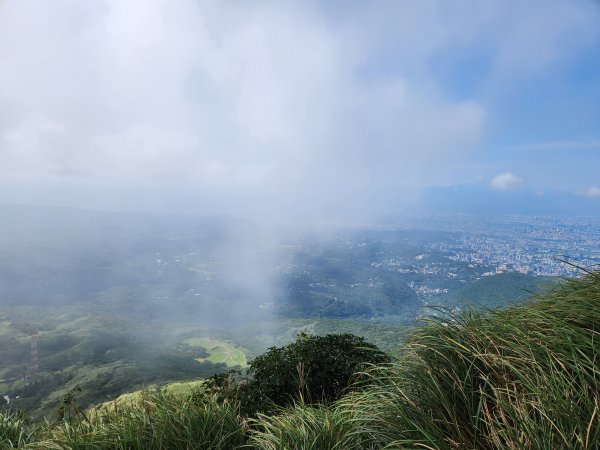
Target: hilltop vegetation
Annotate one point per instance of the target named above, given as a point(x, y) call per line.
point(524, 377)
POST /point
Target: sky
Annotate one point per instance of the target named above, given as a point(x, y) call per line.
point(332, 110)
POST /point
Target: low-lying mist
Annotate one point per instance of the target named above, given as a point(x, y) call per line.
point(210, 271)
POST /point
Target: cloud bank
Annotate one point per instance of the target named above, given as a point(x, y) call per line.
point(289, 108)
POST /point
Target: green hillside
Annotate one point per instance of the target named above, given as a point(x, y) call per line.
point(500, 289)
point(523, 377)
point(218, 352)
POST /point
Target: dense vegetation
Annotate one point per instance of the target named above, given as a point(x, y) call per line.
point(524, 377)
point(312, 370)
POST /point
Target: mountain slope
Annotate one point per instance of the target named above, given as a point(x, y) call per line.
point(524, 377)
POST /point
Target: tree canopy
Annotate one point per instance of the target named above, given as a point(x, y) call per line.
point(314, 369)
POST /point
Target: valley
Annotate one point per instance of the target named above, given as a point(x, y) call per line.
point(105, 303)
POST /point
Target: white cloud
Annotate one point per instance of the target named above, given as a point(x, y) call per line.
point(593, 192)
point(270, 105)
point(505, 181)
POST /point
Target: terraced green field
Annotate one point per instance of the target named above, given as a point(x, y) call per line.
point(219, 352)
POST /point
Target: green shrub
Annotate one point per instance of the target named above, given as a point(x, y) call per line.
point(314, 369)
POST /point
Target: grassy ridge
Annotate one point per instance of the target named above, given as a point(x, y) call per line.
point(525, 377)
point(158, 420)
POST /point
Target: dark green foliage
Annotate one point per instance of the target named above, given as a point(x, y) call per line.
point(314, 369)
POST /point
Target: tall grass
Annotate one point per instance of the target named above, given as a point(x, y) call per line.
point(15, 431)
point(526, 377)
point(305, 428)
point(159, 420)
